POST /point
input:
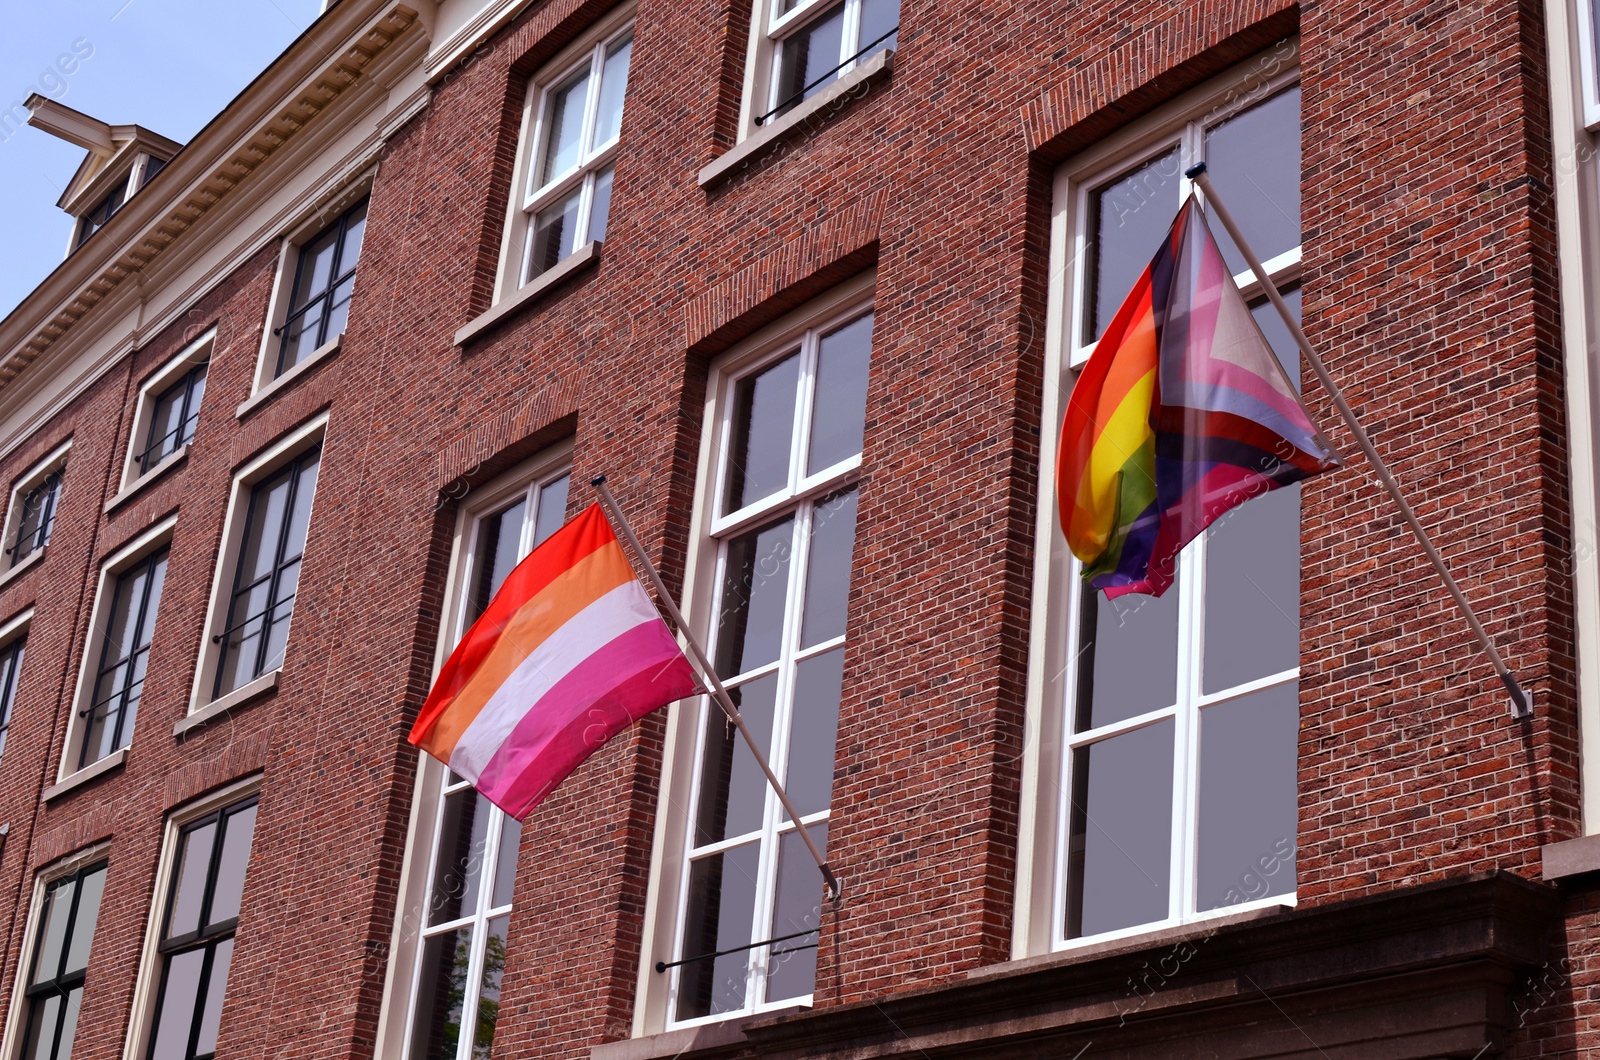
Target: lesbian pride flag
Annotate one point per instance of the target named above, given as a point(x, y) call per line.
point(1182, 413)
point(569, 653)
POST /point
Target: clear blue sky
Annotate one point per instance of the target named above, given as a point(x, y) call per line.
point(168, 65)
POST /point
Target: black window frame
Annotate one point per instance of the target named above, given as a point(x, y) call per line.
point(63, 982)
point(127, 700)
point(155, 450)
point(294, 470)
point(100, 214)
point(11, 656)
point(322, 301)
point(206, 936)
point(49, 490)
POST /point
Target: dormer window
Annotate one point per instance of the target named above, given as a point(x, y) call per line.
point(96, 218)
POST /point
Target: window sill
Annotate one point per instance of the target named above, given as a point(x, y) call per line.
point(239, 697)
point(33, 559)
point(168, 462)
point(73, 781)
point(831, 100)
point(529, 292)
point(287, 379)
point(724, 1035)
point(1571, 857)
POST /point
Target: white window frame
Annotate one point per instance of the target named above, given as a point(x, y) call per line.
point(769, 25)
point(17, 1014)
point(665, 906)
point(111, 569)
point(432, 782)
point(262, 467)
point(41, 470)
point(1038, 926)
point(148, 981)
point(527, 199)
point(144, 408)
point(1588, 63)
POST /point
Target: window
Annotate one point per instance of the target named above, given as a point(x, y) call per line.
point(168, 409)
point(34, 501)
point(267, 574)
point(1175, 792)
point(574, 122)
point(106, 722)
point(54, 990)
point(196, 941)
point(472, 856)
point(10, 665)
point(782, 531)
point(809, 44)
point(319, 301)
point(102, 212)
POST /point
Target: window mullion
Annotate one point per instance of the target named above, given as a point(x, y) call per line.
point(849, 35)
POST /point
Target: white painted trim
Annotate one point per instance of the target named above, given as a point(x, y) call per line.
point(16, 626)
point(168, 462)
point(34, 558)
point(263, 465)
point(1587, 66)
point(144, 405)
point(98, 768)
point(530, 292)
point(290, 376)
point(244, 695)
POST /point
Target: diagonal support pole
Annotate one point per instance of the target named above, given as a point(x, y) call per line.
point(708, 674)
point(1521, 705)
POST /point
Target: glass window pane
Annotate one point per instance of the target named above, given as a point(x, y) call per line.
point(1119, 853)
point(179, 996)
point(197, 393)
point(269, 502)
point(69, 1024)
point(294, 541)
point(563, 125)
point(838, 412)
point(1128, 217)
point(552, 509)
point(1127, 656)
point(792, 965)
point(553, 235)
point(458, 872)
point(338, 311)
point(90, 890)
point(762, 433)
point(733, 790)
point(833, 537)
point(1248, 808)
point(1278, 337)
point(238, 833)
point(436, 1031)
point(315, 268)
point(494, 554)
point(1252, 605)
point(721, 910)
point(494, 966)
point(505, 861)
point(216, 989)
point(194, 863)
point(613, 87)
point(807, 58)
point(355, 230)
point(600, 208)
point(755, 593)
point(879, 21)
point(58, 910)
point(817, 684)
point(1253, 161)
point(43, 1016)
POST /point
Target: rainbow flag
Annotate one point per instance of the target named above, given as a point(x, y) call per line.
point(1182, 413)
point(569, 653)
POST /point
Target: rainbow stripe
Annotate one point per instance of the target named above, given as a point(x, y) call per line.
point(569, 652)
point(1182, 413)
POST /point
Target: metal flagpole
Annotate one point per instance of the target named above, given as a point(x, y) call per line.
point(1521, 706)
point(708, 673)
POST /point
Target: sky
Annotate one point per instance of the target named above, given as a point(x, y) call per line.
point(168, 65)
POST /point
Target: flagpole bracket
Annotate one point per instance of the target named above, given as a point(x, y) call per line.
point(1521, 700)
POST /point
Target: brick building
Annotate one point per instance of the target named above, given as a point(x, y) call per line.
point(809, 281)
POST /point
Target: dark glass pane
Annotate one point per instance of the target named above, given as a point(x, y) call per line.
point(300, 339)
point(216, 989)
point(43, 1017)
point(755, 593)
point(817, 684)
point(458, 870)
point(613, 89)
point(494, 965)
point(355, 230)
point(90, 890)
point(315, 267)
point(1127, 656)
point(10, 663)
point(53, 935)
point(1278, 337)
point(1128, 217)
point(194, 863)
point(1252, 605)
point(838, 413)
point(494, 555)
point(763, 433)
point(600, 208)
point(197, 395)
point(879, 19)
point(555, 231)
point(833, 538)
point(792, 965)
point(808, 57)
point(300, 518)
point(436, 1031)
point(1248, 810)
point(733, 790)
point(229, 888)
point(563, 121)
point(1119, 853)
point(338, 309)
point(552, 509)
point(268, 504)
point(180, 995)
point(505, 865)
point(1253, 161)
point(69, 1024)
point(721, 908)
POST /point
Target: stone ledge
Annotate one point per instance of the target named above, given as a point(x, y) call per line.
point(168, 462)
point(708, 1039)
point(880, 66)
point(72, 781)
point(244, 694)
point(33, 559)
point(287, 379)
point(529, 292)
point(1571, 857)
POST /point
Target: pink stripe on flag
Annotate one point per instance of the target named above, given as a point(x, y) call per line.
point(610, 690)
